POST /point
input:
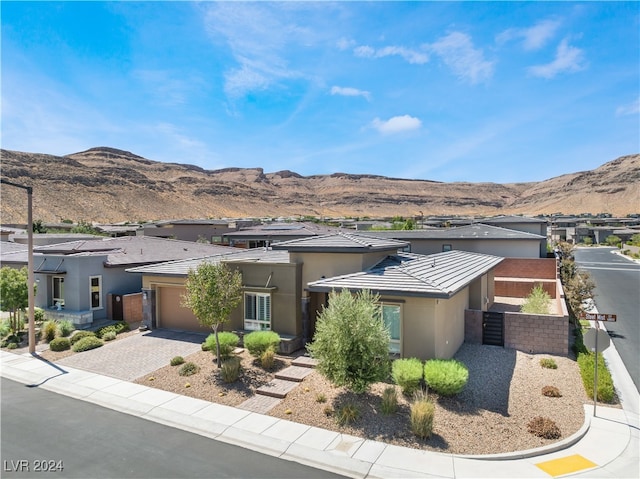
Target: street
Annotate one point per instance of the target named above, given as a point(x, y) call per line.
point(617, 292)
point(51, 435)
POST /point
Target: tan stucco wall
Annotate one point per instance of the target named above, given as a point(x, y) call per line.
point(327, 265)
point(449, 329)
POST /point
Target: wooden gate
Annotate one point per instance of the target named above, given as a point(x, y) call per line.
point(493, 328)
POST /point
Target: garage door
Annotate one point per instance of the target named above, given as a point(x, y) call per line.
point(173, 316)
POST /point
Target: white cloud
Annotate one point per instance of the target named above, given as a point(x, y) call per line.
point(345, 43)
point(467, 62)
point(348, 91)
point(533, 38)
point(632, 108)
point(407, 54)
point(568, 59)
point(396, 124)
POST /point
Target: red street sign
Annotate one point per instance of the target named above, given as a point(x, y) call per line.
point(598, 316)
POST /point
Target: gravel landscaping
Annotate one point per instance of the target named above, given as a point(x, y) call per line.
point(503, 395)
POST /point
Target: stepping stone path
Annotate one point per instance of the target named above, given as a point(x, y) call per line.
point(269, 395)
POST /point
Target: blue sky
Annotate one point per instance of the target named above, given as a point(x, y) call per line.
point(474, 91)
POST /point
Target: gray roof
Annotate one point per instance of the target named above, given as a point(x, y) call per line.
point(292, 230)
point(182, 267)
point(341, 242)
point(137, 250)
point(476, 231)
point(438, 275)
point(512, 219)
point(14, 253)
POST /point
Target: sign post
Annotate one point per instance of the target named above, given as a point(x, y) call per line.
point(597, 340)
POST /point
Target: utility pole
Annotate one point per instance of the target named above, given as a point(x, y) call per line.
point(30, 275)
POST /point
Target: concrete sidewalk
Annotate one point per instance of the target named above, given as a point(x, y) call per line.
point(606, 446)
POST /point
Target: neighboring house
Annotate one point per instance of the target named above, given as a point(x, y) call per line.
point(85, 281)
point(270, 233)
point(476, 238)
point(212, 231)
point(526, 224)
point(14, 255)
point(42, 239)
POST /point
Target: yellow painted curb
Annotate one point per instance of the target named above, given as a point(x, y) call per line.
point(566, 465)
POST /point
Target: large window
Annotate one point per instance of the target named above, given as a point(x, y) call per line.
point(257, 311)
point(95, 286)
point(392, 317)
point(58, 291)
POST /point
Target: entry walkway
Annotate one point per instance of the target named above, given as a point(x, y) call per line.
point(606, 447)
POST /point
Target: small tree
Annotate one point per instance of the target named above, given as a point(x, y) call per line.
point(613, 240)
point(351, 342)
point(537, 302)
point(213, 292)
point(14, 294)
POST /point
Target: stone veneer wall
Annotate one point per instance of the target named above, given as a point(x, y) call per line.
point(132, 307)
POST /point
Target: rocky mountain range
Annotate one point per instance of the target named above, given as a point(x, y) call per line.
point(109, 185)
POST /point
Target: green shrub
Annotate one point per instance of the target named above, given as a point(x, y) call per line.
point(407, 373)
point(59, 344)
point(49, 330)
point(5, 328)
point(177, 361)
point(606, 391)
point(87, 343)
point(544, 427)
point(321, 398)
point(38, 315)
point(548, 363)
point(230, 370)
point(537, 302)
point(12, 346)
point(205, 347)
point(121, 327)
point(422, 413)
point(106, 329)
point(268, 358)
point(109, 335)
point(446, 376)
point(257, 342)
point(551, 391)
point(66, 327)
point(78, 335)
point(347, 413)
point(389, 403)
point(228, 342)
point(188, 369)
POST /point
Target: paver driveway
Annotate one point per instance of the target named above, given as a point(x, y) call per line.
point(136, 355)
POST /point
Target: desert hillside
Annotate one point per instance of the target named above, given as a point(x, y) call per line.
point(110, 185)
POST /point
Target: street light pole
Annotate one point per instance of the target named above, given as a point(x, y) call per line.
point(30, 275)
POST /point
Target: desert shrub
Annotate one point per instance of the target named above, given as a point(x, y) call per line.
point(49, 330)
point(78, 335)
point(121, 327)
point(59, 344)
point(104, 330)
point(606, 391)
point(407, 373)
point(12, 346)
point(87, 343)
point(188, 369)
point(328, 411)
point(177, 361)
point(268, 358)
point(5, 328)
point(109, 336)
point(230, 370)
point(66, 327)
point(548, 363)
point(551, 391)
point(348, 413)
point(205, 347)
point(257, 342)
point(38, 315)
point(389, 404)
point(544, 427)
point(446, 376)
point(228, 342)
point(422, 413)
point(537, 302)
point(321, 398)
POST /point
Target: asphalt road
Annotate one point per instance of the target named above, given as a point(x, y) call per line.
point(49, 435)
point(617, 292)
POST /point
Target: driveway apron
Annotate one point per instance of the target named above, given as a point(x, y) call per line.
point(136, 355)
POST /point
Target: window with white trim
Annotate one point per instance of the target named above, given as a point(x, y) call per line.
point(95, 290)
point(392, 317)
point(57, 288)
point(257, 311)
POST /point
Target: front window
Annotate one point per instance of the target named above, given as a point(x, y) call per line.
point(58, 291)
point(257, 311)
point(446, 247)
point(95, 286)
point(392, 317)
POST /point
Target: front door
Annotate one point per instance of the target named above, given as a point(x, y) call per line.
point(493, 328)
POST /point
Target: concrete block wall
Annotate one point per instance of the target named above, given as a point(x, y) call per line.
point(537, 333)
point(530, 268)
point(521, 288)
